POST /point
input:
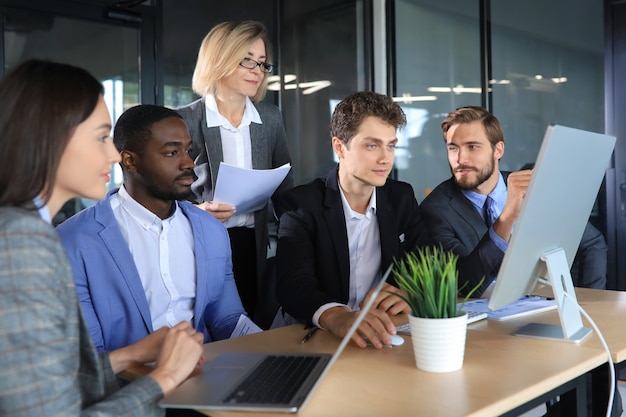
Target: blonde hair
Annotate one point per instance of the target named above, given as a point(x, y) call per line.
point(222, 50)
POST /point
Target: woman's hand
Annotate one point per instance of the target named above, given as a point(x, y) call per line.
point(220, 211)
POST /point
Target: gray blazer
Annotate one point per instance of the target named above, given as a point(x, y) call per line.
point(268, 148)
point(49, 365)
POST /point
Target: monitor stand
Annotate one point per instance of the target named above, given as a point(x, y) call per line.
point(571, 328)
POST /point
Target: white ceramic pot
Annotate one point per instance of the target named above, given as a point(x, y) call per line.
point(438, 344)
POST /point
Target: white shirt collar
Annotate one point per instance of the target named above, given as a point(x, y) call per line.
point(142, 215)
point(215, 119)
point(44, 212)
point(351, 214)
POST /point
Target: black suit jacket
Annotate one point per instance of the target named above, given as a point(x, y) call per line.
point(312, 259)
point(455, 223)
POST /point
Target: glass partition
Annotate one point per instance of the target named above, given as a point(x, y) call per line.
point(548, 68)
point(109, 52)
point(437, 54)
point(323, 59)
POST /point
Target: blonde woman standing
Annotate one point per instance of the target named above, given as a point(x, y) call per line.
point(231, 124)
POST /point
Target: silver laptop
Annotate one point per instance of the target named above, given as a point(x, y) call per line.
point(231, 380)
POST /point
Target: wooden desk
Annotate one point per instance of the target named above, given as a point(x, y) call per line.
point(500, 373)
point(606, 308)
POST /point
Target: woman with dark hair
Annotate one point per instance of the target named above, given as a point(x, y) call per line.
point(56, 146)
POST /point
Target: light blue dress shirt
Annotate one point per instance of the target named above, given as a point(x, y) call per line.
point(498, 195)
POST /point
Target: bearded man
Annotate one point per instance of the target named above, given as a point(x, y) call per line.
point(474, 212)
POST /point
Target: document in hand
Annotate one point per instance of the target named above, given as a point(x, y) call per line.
point(247, 189)
point(524, 306)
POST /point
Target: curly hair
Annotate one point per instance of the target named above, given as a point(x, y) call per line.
point(352, 110)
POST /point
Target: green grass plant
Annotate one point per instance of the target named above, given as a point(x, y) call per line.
point(430, 279)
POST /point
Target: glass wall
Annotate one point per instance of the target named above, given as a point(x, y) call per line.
point(547, 72)
point(543, 71)
point(438, 69)
point(323, 59)
point(109, 52)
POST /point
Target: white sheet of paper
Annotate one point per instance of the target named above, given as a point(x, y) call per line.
point(245, 326)
point(522, 307)
point(247, 189)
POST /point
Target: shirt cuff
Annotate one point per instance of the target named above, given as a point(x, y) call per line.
point(500, 243)
point(322, 309)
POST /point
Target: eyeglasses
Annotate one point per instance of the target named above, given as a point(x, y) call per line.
point(252, 64)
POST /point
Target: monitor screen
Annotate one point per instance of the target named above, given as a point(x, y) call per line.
point(569, 170)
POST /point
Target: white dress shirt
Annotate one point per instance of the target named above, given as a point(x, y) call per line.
point(236, 145)
point(364, 250)
point(163, 251)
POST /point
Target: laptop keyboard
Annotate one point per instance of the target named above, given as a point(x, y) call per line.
point(274, 381)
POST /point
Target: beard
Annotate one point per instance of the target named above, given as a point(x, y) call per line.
point(466, 183)
point(165, 195)
point(173, 193)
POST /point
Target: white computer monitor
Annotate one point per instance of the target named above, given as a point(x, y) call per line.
point(566, 177)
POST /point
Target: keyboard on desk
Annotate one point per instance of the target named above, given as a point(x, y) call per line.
point(275, 381)
point(472, 316)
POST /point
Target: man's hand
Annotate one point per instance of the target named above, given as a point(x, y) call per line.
point(376, 327)
point(517, 185)
point(387, 302)
point(220, 211)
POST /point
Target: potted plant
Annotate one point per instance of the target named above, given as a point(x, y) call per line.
point(429, 278)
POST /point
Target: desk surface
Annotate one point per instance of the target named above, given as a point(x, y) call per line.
point(606, 308)
point(500, 373)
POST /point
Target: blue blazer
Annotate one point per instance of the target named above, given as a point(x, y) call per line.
point(110, 290)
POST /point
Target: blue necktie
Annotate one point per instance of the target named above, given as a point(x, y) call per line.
point(490, 214)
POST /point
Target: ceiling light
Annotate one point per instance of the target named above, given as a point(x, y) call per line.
point(501, 82)
point(313, 86)
point(406, 99)
point(307, 87)
point(459, 89)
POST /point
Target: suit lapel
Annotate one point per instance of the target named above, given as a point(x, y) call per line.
point(466, 211)
point(258, 147)
point(114, 242)
point(336, 222)
point(199, 238)
point(212, 143)
point(385, 215)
